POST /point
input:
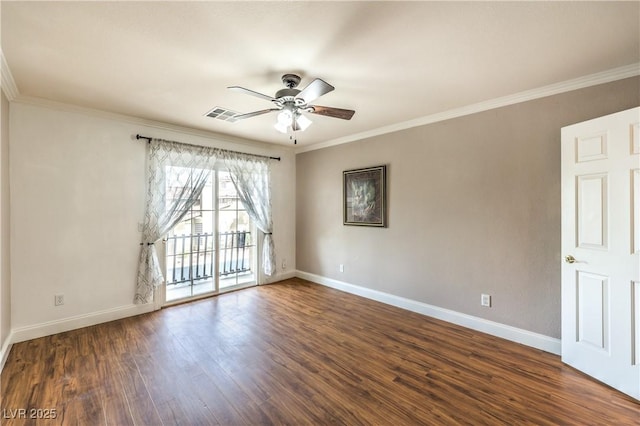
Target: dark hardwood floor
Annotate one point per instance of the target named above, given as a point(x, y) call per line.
point(296, 353)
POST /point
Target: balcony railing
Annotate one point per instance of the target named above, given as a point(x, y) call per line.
point(192, 257)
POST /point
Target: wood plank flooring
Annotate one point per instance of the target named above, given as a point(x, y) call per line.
point(300, 354)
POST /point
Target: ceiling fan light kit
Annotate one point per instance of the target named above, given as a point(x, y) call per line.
point(291, 121)
point(285, 118)
point(302, 122)
point(291, 103)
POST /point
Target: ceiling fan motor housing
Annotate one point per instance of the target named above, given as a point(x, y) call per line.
point(282, 93)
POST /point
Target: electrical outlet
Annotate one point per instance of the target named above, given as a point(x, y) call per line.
point(284, 263)
point(485, 300)
point(341, 267)
point(58, 300)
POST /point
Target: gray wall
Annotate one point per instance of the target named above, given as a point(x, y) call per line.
point(5, 276)
point(474, 207)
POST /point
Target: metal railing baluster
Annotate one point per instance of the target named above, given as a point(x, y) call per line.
point(182, 260)
point(244, 245)
point(226, 243)
point(233, 246)
point(237, 240)
point(198, 258)
point(204, 262)
point(175, 241)
point(190, 267)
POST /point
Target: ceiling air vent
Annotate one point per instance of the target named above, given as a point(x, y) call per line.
point(223, 114)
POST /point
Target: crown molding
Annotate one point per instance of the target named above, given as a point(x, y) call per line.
point(263, 147)
point(608, 76)
point(8, 83)
point(11, 91)
point(13, 95)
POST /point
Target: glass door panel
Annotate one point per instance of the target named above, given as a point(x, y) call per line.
point(236, 236)
point(190, 246)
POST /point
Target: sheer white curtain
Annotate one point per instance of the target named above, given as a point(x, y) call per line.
point(168, 202)
point(251, 175)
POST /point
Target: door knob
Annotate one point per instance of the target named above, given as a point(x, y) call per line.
point(569, 259)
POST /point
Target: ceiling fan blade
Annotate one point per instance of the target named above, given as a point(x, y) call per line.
point(253, 114)
point(344, 114)
point(251, 92)
point(314, 90)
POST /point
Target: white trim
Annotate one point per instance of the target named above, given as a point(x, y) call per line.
point(8, 83)
point(620, 73)
point(281, 276)
point(631, 70)
point(535, 340)
point(264, 148)
point(35, 331)
point(4, 351)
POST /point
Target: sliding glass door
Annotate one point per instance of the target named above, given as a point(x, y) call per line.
point(212, 249)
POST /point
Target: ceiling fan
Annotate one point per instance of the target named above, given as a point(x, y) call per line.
point(291, 103)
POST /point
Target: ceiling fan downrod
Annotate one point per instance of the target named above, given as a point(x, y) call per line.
point(291, 80)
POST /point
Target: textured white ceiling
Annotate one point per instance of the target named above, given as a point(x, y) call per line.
point(390, 61)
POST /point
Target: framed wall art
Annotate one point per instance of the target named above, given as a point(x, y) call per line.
point(364, 196)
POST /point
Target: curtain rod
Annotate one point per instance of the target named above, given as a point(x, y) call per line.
point(148, 139)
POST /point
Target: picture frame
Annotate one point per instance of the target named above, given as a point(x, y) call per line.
point(364, 196)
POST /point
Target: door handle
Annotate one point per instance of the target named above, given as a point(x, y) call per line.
point(570, 259)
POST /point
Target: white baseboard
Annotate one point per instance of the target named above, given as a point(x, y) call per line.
point(35, 331)
point(29, 332)
point(5, 349)
point(535, 340)
point(284, 276)
point(277, 277)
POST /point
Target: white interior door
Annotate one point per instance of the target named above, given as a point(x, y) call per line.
point(601, 249)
